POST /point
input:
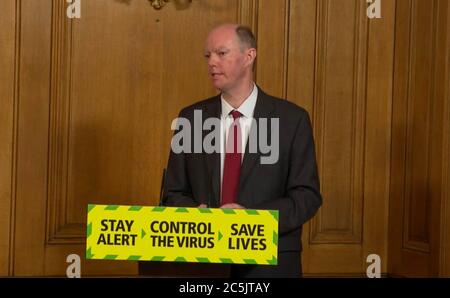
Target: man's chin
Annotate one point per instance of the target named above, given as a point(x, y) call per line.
point(219, 87)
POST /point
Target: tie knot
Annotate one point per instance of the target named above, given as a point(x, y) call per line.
point(235, 114)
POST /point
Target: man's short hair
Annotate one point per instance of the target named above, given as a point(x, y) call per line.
point(245, 36)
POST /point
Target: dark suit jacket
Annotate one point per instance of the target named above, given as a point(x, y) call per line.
point(290, 185)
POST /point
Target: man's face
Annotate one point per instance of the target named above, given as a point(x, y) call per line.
point(226, 60)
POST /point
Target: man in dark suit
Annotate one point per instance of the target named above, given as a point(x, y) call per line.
point(239, 178)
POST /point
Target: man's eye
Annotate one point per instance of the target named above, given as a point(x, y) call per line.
point(222, 53)
point(207, 56)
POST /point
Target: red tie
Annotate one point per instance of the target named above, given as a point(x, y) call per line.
point(232, 164)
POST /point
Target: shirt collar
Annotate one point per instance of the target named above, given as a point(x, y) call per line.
point(246, 108)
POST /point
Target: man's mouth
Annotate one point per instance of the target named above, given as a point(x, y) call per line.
point(215, 75)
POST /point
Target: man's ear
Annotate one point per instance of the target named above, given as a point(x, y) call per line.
point(250, 55)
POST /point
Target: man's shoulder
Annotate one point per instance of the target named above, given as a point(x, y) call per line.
point(200, 105)
point(285, 107)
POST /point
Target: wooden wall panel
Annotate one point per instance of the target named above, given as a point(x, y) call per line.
point(438, 155)
point(86, 107)
point(378, 135)
point(445, 214)
point(339, 120)
point(7, 89)
point(421, 82)
point(417, 206)
point(273, 32)
point(108, 86)
point(328, 74)
point(32, 149)
point(302, 51)
point(248, 14)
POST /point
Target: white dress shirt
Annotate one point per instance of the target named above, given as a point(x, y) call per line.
point(246, 109)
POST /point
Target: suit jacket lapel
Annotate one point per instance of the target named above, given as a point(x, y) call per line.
point(213, 159)
point(263, 109)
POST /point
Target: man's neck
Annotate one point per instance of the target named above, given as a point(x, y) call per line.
point(235, 98)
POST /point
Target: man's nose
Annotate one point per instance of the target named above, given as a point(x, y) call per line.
point(212, 61)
